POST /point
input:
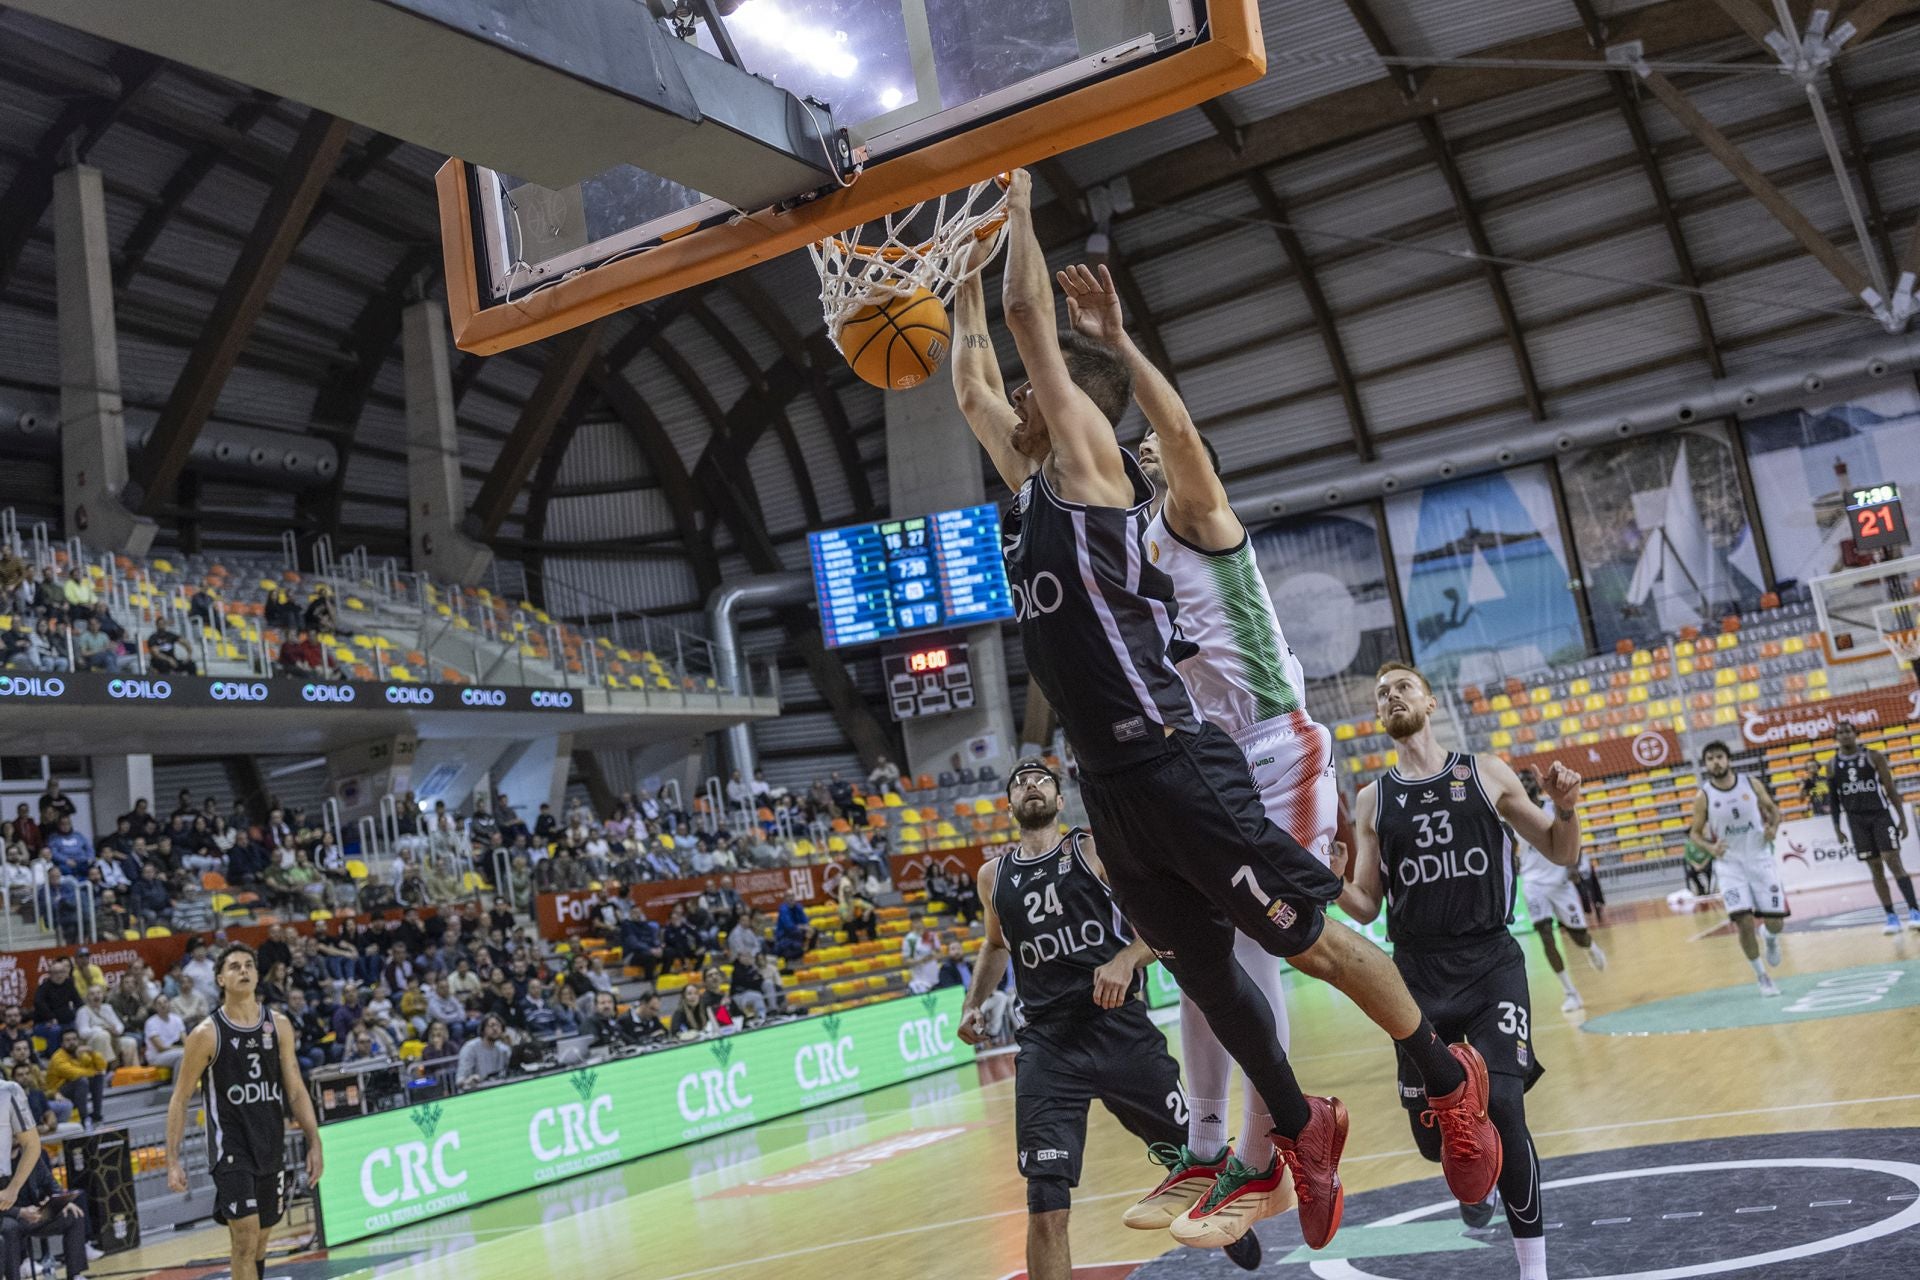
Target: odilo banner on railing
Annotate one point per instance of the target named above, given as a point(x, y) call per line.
point(401, 1167)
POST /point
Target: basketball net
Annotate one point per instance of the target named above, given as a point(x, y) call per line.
point(857, 273)
point(1899, 626)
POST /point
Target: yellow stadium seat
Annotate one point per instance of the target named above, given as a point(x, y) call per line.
point(159, 931)
point(356, 869)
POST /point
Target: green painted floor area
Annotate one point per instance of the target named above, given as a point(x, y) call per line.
point(1835, 993)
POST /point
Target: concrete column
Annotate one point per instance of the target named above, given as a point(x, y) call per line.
point(534, 773)
point(436, 495)
point(93, 435)
point(933, 464)
point(117, 782)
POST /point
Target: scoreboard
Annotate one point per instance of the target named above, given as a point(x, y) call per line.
point(1876, 518)
point(928, 680)
point(895, 577)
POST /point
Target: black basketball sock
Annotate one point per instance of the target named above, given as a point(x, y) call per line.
point(1439, 1070)
point(1240, 1016)
point(1906, 891)
point(1520, 1170)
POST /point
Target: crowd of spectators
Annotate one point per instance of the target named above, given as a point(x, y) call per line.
point(61, 624)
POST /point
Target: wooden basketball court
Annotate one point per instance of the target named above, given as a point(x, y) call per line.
point(919, 1180)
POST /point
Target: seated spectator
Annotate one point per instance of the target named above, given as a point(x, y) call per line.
point(302, 658)
point(921, 953)
point(97, 651)
point(204, 609)
point(165, 1033)
point(707, 1009)
point(281, 613)
point(56, 1002)
point(81, 1074)
point(444, 1006)
point(116, 921)
point(71, 849)
point(22, 1059)
point(41, 1211)
point(103, 1032)
point(793, 931)
point(885, 775)
point(762, 993)
point(681, 941)
point(641, 1023)
point(744, 945)
point(168, 655)
point(309, 1033)
point(320, 615)
point(484, 1057)
point(954, 970)
point(16, 646)
point(857, 913)
point(46, 647)
point(957, 892)
point(131, 998)
point(39, 1110)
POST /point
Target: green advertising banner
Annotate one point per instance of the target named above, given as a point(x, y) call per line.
point(401, 1167)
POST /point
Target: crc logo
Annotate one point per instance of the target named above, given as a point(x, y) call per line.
point(553, 699)
point(1450, 864)
point(574, 1128)
point(924, 1038)
point(238, 691)
point(715, 1092)
point(817, 1066)
point(154, 690)
point(32, 687)
point(1038, 595)
point(413, 1170)
point(327, 693)
point(410, 695)
point(483, 697)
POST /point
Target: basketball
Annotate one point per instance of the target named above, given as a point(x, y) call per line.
point(899, 342)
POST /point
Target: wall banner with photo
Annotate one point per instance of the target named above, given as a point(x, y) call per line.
point(1661, 526)
point(1328, 580)
point(1804, 460)
point(1484, 575)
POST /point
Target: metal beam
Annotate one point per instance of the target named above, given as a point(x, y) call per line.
point(1770, 197)
point(1869, 17)
point(1629, 106)
point(1859, 153)
point(1132, 301)
point(736, 351)
point(664, 461)
point(65, 142)
point(569, 356)
point(255, 272)
point(178, 189)
point(1750, 19)
point(1323, 320)
point(1442, 156)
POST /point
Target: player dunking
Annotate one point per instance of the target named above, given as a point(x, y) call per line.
point(1087, 1035)
point(1862, 786)
point(1189, 850)
point(1734, 821)
point(1244, 676)
point(1432, 848)
point(1552, 897)
point(253, 1079)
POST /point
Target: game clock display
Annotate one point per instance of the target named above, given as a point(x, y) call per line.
point(928, 681)
point(1875, 517)
point(894, 577)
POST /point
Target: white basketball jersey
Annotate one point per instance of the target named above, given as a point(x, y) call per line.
point(1244, 673)
point(1536, 868)
point(1734, 817)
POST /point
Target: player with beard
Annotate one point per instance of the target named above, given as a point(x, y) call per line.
point(253, 1079)
point(1863, 789)
point(1734, 820)
point(1431, 847)
point(1086, 1033)
point(1246, 679)
point(1189, 850)
point(1552, 897)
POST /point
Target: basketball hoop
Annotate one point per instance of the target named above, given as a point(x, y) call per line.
point(856, 273)
point(1905, 643)
point(1898, 623)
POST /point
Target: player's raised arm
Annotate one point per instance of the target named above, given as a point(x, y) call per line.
point(1361, 896)
point(976, 379)
point(1081, 435)
point(1196, 500)
point(990, 963)
point(1557, 837)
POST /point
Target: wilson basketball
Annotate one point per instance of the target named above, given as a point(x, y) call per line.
point(899, 342)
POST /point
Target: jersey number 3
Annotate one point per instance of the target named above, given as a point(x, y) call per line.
point(1039, 905)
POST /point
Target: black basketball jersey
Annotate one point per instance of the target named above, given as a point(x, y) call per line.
point(1097, 621)
point(1061, 925)
point(1445, 857)
point(246, 1106)
point(1854, 784)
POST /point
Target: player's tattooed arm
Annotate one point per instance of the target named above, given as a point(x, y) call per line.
point(976, 377)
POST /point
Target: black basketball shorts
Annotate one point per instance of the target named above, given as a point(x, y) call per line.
point(1873, 832)
point(1117, 1056)
point(242, 1193)
point(1477, 994)
point(1191, 854)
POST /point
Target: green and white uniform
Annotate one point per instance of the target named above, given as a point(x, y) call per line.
point(1246, 679)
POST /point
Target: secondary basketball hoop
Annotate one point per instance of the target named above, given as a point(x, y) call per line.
point(1898, 623)
point(885, 300)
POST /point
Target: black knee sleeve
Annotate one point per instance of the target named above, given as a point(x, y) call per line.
point(1520, 1165)
point(1048, 1195)
point(1425, 1137)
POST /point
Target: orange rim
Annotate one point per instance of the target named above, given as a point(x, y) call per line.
point(894, 253)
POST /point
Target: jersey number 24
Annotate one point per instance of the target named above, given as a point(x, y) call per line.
point(1039, 904)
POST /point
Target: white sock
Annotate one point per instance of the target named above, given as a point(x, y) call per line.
point(1256, 1132)
point(1532, 1253)
point(1759, 967)
point(1208, 1070)
point(1566, 982)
